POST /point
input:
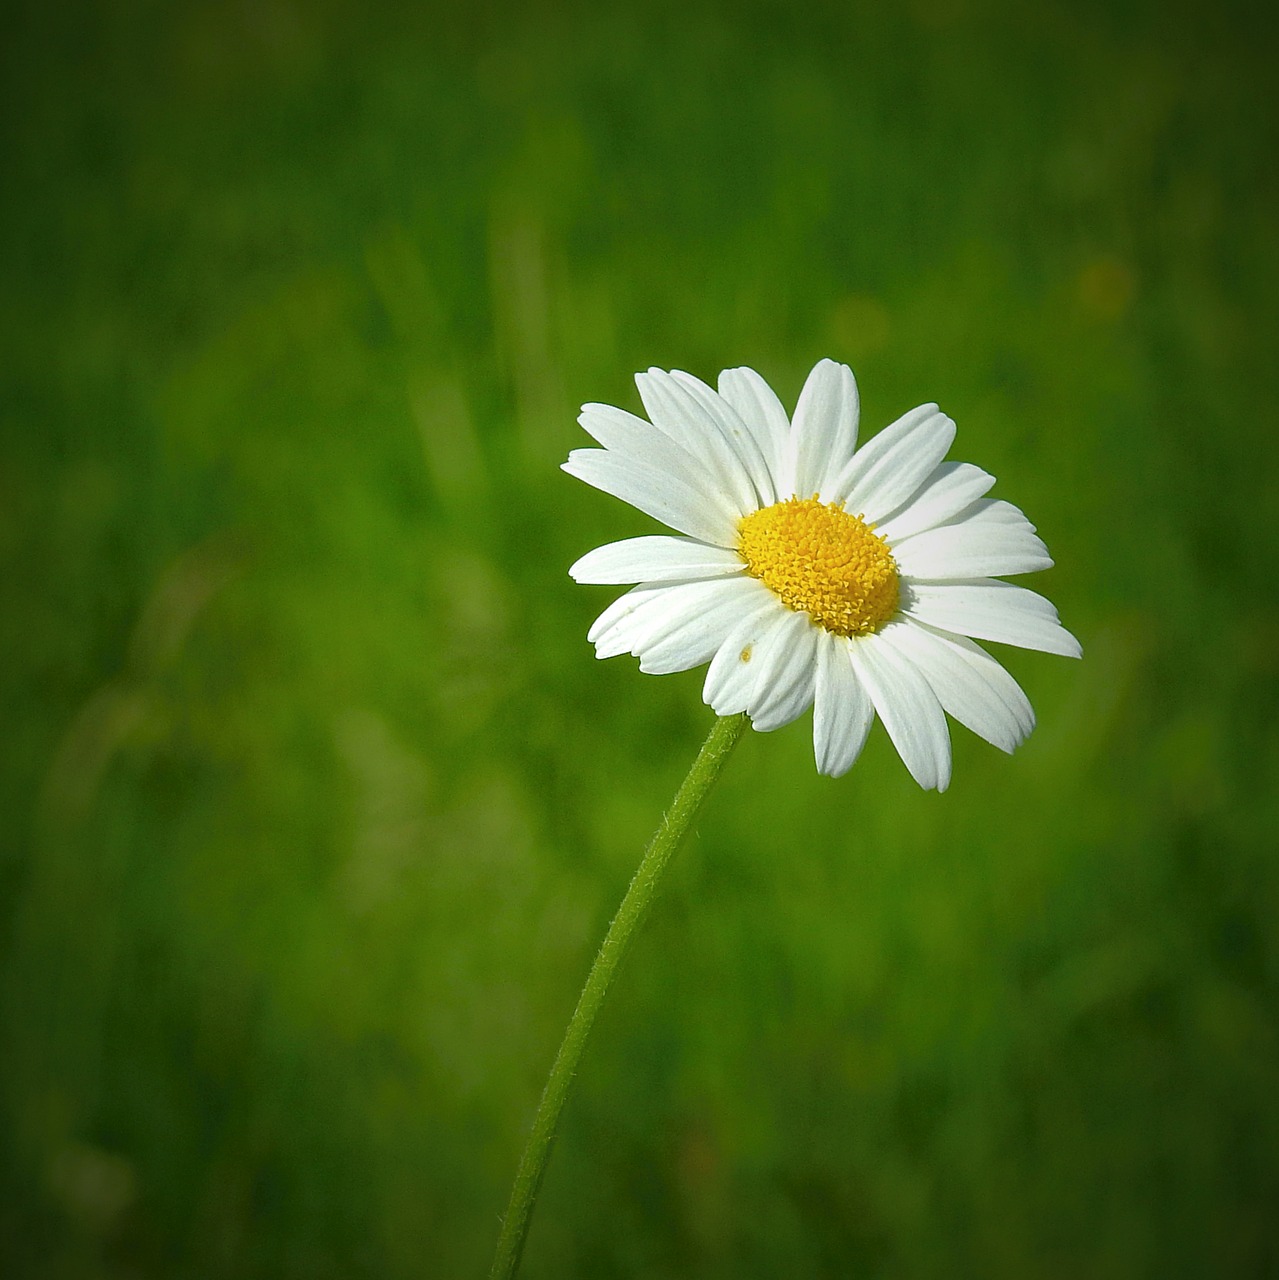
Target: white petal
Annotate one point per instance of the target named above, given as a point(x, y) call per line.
point(969, 684)
point(893, 465)
point(660, 494)
point(655, 559)
point(736, 432)
point(908, 707)
point(760, 409)
point(988, 610)
point(615, 616)
point(952, 487)
point(694, 634)
point(842, 710)
point(988, 539)
point(675, 411)
point(730, 679)
point(627, 433)
point(610, 632)
point(824, 432)
point(787, 670)
point(648, 612)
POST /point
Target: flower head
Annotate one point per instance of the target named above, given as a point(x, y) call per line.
point(815, 573)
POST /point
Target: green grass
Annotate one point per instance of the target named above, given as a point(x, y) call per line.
point(315, 802)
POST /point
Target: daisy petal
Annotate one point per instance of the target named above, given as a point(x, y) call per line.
point(952, 487)
point(609, 632)
point(891, 466)
point(657, 493)
point(657, 558)
point(730, 679)
point(676, 412)
point(628, 436)
point(694, 632)
point(736, 432)
point(908, 707)
point(636, 437)
point(784, 683)
point(989, 610)
point(969, 684)
point(842, 711)
point(649, 612)
point(759, 408)
point(988, 539)
point(824, 432)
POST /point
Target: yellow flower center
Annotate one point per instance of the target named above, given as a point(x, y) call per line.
point(818, 559)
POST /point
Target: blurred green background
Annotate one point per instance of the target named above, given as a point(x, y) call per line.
point(315, 802)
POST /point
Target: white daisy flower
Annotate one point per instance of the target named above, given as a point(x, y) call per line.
point(815, 573)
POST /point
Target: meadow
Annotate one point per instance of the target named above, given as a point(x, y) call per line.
point(314, 801)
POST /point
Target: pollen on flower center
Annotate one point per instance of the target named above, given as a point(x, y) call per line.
point(818, 559)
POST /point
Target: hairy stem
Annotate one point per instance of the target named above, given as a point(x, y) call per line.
point(630, 915)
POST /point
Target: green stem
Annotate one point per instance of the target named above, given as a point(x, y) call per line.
point(630, 915)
